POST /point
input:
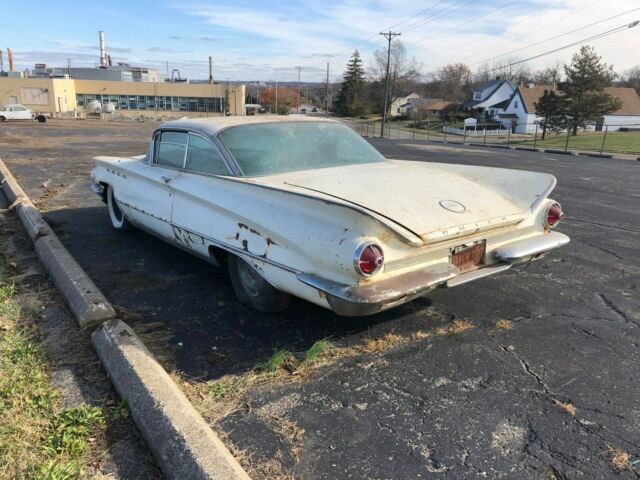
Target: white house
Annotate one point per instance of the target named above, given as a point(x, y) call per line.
point(520, 111)
point(489, 99)
point(397, 103)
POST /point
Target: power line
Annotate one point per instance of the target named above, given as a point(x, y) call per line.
point(564, 47)
point(556, 36)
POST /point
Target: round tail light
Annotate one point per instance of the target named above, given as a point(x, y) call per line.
point(554, 215)
point(368, 259)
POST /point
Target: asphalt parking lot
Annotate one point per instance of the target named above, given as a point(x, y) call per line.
point(554, 396)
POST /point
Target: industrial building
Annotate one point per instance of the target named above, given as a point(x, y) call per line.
point(130, 90)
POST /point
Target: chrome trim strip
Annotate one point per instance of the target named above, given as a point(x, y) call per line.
point(531, 246)
point(477, 274)
point(97, 188)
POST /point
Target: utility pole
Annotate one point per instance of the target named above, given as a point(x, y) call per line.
point(276, 112)
point(389, 36)
point(298, 105)
point(210, 69)
point(326, 93)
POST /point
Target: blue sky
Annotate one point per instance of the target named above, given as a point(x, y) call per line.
point(250, 39)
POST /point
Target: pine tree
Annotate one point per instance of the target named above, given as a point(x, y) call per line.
point(350, 100)
point(551, 108)
point(583, 91)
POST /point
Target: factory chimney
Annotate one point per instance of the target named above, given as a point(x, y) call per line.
point(103, 53)
point(109, 60)
point(10, 55)
point(1, 62)
point(210, 69)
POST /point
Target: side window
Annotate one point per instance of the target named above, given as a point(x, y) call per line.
point(171, 148)
point(204, 157)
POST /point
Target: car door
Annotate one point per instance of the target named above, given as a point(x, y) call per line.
point(196, 210)
point(21, 113)
point(149, 192)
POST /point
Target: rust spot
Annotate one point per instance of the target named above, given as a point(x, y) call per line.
point(255, 231)
point(271, 242)
point(321, 294)
point(242, 225)
point(245, 245)
point(345, 230)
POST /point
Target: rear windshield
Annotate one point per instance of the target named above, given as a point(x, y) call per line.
point(271, 148)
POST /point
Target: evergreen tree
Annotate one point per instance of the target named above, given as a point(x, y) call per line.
point(351, 96)
point(583, 90)
point(552, 110)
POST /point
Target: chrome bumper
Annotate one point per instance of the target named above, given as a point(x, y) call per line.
point(374, 297)
point(530, 247)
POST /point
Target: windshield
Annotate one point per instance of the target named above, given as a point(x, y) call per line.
point(271, 148)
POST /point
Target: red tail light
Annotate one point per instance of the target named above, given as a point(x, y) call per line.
point(554, 215)
point(368, 259)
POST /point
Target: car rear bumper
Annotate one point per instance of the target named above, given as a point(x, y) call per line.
point(374, 297)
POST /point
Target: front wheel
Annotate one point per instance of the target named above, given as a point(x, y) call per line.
point(253, 290)
point(118, 219)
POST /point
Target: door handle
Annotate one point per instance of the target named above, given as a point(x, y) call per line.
point(166, 179)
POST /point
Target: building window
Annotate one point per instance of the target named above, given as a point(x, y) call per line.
point(160, 103)
point(477, 95)
point(515, 104)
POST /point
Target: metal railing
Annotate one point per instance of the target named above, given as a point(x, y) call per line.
point(602, 139)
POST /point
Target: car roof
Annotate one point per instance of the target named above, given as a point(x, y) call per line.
point(212, 125)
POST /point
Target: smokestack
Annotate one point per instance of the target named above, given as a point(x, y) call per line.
point(1, 62)
point(103, 53)
point(109, 59)
point(10, 55)
point(210, 69)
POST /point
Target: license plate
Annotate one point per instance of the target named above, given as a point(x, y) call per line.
point(467, 257)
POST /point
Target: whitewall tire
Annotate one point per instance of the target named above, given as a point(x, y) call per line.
point(118, 218)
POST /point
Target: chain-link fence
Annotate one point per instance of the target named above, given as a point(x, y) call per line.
point(600, 139)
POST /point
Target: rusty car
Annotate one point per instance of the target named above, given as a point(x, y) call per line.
point(305, 207)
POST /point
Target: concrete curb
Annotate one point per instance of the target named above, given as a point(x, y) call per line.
point(32, 221)
point(181, 441)
point(595, 155)
point(88, 305)
point(12, 190)
point(527, 149)
point(183, 444)
point(561, 152)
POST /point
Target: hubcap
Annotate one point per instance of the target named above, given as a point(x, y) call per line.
point(251, 280)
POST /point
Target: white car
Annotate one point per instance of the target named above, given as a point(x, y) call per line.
point(299, 206)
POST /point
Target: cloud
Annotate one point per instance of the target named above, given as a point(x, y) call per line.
point(193, 39)
point(167, 50)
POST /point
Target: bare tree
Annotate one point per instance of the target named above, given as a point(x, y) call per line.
point(453, 81)
point(505, 68)
point(631, 78)
point(404, 73)
point(550, 75)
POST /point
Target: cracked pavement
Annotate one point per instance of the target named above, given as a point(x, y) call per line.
point(549, 398)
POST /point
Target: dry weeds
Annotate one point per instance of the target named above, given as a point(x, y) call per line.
point(504, 325)
point(568, 407)
point(619, 459)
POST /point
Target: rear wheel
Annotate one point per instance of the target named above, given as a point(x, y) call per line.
point(2, 119)
point(253, 290)
point(118, 219)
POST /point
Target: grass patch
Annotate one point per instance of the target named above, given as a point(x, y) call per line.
point(280, 359)
point(616, 142)
point(318, 350)
point(454, 328)
point(38, 439)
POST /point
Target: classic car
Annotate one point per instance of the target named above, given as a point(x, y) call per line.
point(305, 207)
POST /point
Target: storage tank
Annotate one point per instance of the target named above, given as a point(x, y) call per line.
point(93, 106)
point(109, 107)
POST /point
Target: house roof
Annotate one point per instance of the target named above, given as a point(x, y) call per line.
point(489, 84)
point(442, 105)
point(628, 96)
point(630, 100)
point(502, 104)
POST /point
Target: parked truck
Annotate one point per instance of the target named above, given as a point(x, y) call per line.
point(19, 112)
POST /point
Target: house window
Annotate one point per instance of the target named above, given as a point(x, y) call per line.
point(515, 104)
point(477, 95)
